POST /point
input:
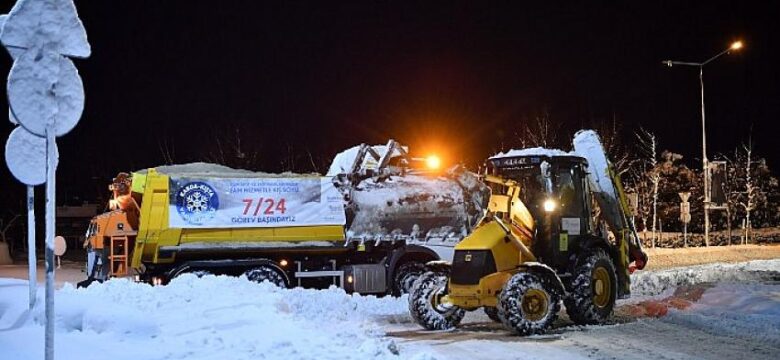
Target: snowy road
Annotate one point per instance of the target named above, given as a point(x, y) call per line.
point(709, 312)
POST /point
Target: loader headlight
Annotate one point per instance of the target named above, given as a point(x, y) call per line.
point(549, 205)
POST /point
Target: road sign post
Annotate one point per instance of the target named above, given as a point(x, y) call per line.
point(685, 215)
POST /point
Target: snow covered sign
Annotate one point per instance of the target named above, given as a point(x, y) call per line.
point(46, 97)
point(25, 155)
point(254, 202)
point(44, 88)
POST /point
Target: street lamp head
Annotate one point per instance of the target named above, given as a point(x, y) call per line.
point(667, 63)
point(736, 45)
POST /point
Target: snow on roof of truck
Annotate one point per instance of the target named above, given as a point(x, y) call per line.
point(536, 151)
point(216, 170)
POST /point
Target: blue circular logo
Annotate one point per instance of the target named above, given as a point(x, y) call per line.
point(197, 202)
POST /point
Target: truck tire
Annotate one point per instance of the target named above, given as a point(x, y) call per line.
point(593, 289)
point(527, 304)
point(266, 273)
point(424, 306)
point(405, 276)
point(188, 270)
point(200, 273)
point(492, 313)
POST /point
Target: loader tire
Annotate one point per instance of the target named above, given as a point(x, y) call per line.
point(424, 306)
point(528, 304)
point(492, 313)
point(266, 273)
point(405, 277)
point(593, 289)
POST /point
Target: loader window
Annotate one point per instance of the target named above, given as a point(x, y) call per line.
point(570, 203)
point(532, 192)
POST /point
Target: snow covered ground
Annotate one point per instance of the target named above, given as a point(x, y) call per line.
point(736, 314)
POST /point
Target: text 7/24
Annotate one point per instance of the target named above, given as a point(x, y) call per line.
point(269, 206)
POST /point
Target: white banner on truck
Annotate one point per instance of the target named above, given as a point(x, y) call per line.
point(254, 202)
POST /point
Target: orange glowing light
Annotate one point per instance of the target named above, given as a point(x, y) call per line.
point(433, 162)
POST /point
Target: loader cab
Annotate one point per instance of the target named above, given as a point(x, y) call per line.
point(555, 190)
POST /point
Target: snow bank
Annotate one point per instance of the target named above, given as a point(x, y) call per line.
point(746, 311)
point(218, 317)
point(200, 318)
point(644, 283)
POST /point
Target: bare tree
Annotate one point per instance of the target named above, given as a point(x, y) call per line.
point(541, 132)
point(167, 150)
point(230, 150)
point(748, 203)
point(648, 146)
point(611, 138)
point(5, 225)
point(744, 190)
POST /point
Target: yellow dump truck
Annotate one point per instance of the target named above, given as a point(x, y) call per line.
point(370, 229)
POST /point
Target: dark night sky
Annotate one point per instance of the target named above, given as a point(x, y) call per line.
point(458, 79)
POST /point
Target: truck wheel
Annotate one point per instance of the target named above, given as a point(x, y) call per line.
point(593, 289)
point(492, 313)
point(201, 273)
point(194, 271)
point(425, 305)
point(266, 273)
point(527, 304)
point(405, 276)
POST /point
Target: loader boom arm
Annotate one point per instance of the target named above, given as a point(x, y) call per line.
point(610, 196)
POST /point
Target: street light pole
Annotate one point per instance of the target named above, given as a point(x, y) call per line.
point(705, 162)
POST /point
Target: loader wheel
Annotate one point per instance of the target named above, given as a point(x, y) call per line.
point(492, 313)
point(266, 273)
point(527, 304)
point(593, 289)
point(405, 277)
point(427, 307)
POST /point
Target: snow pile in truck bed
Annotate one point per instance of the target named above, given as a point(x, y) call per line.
point(203, 169)
point(537, 151)
point(436, 205)
point(199, 318)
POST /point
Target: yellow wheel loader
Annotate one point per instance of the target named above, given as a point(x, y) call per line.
point(557, 229)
